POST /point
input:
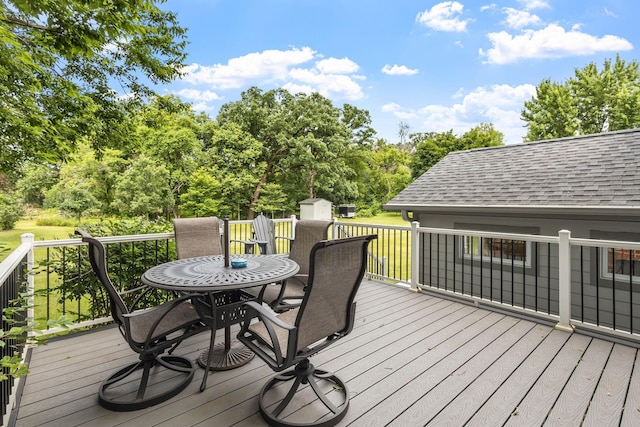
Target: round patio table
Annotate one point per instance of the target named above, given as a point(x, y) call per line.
point(208, 275)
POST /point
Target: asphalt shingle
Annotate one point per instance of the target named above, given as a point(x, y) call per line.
point(593, 170)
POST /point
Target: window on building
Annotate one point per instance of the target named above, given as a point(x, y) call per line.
point(516, 252)
point(621, 264)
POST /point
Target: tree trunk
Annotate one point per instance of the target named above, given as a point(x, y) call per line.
point(256, 194)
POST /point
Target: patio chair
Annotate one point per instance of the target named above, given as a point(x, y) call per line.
point(326, 314)
point(197, 236)
point(264, 235)
point(287, 295)
point(149, 332)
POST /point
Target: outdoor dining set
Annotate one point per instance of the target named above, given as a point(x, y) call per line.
point(289, 306)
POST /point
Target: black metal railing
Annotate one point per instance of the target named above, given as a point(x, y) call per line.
point(12, 284)
point(389, 254)
point(508, 270)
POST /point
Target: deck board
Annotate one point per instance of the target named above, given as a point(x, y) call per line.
point(412, 359)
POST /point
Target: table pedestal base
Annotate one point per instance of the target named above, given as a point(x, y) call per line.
point(226, 358)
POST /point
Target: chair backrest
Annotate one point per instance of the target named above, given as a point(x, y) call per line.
point(197, 237)
point(98, 260)
point(264, 230)
point(307, 233)
point(336, 271)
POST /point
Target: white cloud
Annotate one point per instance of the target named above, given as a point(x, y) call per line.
point(444, 17)
point(607, 12)
point(201, 106)
point(398, 70)
point(390, 107)
point(292, 69)
point(270, 64)
point(534, 4)
point(198, 95)
point(519, 18)
point(550, 42)
point(337, 66)
point(487, 7)
point(329, 85)
point(497, 104)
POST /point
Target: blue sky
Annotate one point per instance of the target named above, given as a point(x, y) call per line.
point(433, 65)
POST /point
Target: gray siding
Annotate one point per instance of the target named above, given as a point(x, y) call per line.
point(594, 299)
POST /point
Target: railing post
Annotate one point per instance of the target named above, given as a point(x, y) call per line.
point(415, 256)
point(383, 266)
point(564, 281)
point(31, 288)
point(334, 228)
point(293, 226)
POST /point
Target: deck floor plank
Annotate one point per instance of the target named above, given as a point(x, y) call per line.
point(608, 399)
point(412, 359)
point(503, 403)
point(631, 414)
point(574, 400)
point(432, 401)
point(534, 407)
point(462, 408)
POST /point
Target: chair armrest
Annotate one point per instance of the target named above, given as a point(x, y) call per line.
point(270, 322)
point(263, 314)
point(248, 245)
point(143, 290)
point(185, 320)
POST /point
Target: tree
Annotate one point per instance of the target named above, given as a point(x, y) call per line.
point(62, 63)
point(403, 131)
point(75, 200)
point(10, 211)
point(36, 180)
point(272, 199)
point(203, 198)
point(301, 142)
point(593, 101)
point(143, 189)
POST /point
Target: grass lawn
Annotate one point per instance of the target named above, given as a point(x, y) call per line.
point(10, 239)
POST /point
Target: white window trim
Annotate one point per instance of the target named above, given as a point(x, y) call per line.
point(604, 269)
point(497, 260)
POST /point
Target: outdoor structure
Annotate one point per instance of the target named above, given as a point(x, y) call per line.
point(588, 185)
point(315, 209)
point(347, 211)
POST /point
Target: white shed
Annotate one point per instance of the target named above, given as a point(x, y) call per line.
point(315, 209)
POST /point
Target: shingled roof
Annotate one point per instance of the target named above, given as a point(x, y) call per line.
point(600, 170)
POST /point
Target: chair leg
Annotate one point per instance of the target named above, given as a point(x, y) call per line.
point(305, 373)
point(122, 392)
point(212, 342)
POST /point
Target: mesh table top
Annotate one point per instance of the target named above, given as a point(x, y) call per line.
point(208, 273)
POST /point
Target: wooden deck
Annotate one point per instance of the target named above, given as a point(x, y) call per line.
point(412, 360)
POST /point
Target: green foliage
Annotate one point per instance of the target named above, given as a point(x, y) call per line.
point(300, 142)
point(60, 62)
point(35, 181)
point(128, 261)
point(271, 200)
point(592, 101)
point(143, 189)
point(56, 222)
point(169, 132)
point(17, 336)
point(203, 198)
point(10, 211)
point(386, 173)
